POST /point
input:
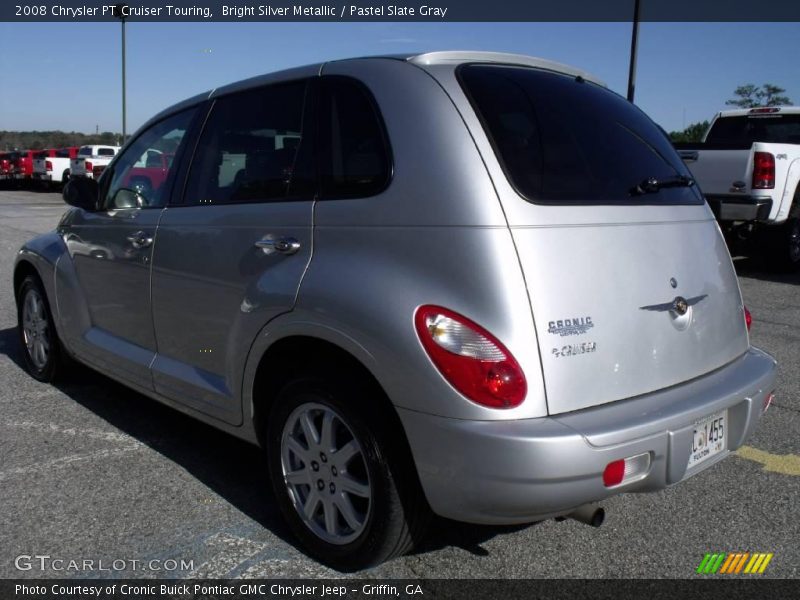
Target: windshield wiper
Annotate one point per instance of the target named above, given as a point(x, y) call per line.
point(651, 185)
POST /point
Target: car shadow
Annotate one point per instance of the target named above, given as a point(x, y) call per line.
point(234, 469)
point(754, 268)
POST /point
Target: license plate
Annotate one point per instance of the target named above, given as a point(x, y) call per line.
point(709, 438)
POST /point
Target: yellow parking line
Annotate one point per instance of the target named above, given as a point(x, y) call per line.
point(753, 564)
point(764, 564)
point(785, 464)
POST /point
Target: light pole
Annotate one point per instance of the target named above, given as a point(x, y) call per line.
point(119, 12)
point(634, 44)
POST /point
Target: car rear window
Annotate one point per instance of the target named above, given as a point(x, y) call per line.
point(746, 129)
point(106, 152)
point(563, 140)
point(42, 154)
point(85, 151)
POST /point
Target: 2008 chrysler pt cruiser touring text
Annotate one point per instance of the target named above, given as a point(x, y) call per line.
point(472, 284)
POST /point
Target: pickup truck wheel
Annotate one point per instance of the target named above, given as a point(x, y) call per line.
point(65, 177)
point(41, 348)
point(783, 245)
point(347, 500)
point(793, 235)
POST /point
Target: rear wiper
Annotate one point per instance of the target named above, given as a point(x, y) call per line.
point(651, 185)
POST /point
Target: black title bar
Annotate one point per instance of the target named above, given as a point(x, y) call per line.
point(374, 589)
point(433, 11)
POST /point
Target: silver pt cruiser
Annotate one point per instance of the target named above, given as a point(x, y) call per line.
point(471, 284)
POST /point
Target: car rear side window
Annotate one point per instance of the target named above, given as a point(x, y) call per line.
point(563, 140)
point(253, 148)
point(354, 153)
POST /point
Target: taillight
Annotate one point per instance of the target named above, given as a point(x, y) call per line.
point(748, 318)
point(470, 358)
point(763, 171)
point(87, 166)
point(48, 165)
point(97, 171)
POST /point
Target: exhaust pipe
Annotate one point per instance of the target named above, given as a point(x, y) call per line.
point(591, 514)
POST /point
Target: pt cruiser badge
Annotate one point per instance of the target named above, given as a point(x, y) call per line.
point(575, 349)
point(570, 326)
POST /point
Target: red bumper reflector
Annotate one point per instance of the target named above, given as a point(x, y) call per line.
point(626, 470)
point(614, 473)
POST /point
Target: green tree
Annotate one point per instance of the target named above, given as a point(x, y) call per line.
point(751, 96)
point(693, 133)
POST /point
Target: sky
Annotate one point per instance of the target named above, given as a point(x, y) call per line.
point(67, 75)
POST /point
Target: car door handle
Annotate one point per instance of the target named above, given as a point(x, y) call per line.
point(140, 239)
point(284, 245)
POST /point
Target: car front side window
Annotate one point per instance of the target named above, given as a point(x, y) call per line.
point(141, 174)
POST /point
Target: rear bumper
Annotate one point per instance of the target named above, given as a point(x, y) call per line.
point(740, 208)
point(525, 470)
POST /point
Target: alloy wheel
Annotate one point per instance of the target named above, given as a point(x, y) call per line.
point(325, 473)
point(36, 329)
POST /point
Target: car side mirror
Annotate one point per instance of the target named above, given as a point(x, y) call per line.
point(125, 198)
point(81, 192)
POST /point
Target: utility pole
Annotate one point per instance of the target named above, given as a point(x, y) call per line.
point(119, 12)
point(634, 46)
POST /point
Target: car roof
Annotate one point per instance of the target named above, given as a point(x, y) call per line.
point(425, 59)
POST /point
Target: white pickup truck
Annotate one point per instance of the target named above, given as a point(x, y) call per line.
point(52, 166)
point(91, 157)
point(748, 167)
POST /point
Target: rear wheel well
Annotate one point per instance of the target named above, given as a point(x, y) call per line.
point(795, 210)
point(293, 357)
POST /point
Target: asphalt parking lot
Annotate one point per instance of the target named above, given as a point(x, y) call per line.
point(90, 471)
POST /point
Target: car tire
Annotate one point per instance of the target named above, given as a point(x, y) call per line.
point(348, 493)
point(41, 349)
point(782, 245)
point(65, 177)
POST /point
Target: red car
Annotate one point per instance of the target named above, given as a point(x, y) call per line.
point(149, 174)
point(6, 161)
point(24, 168)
